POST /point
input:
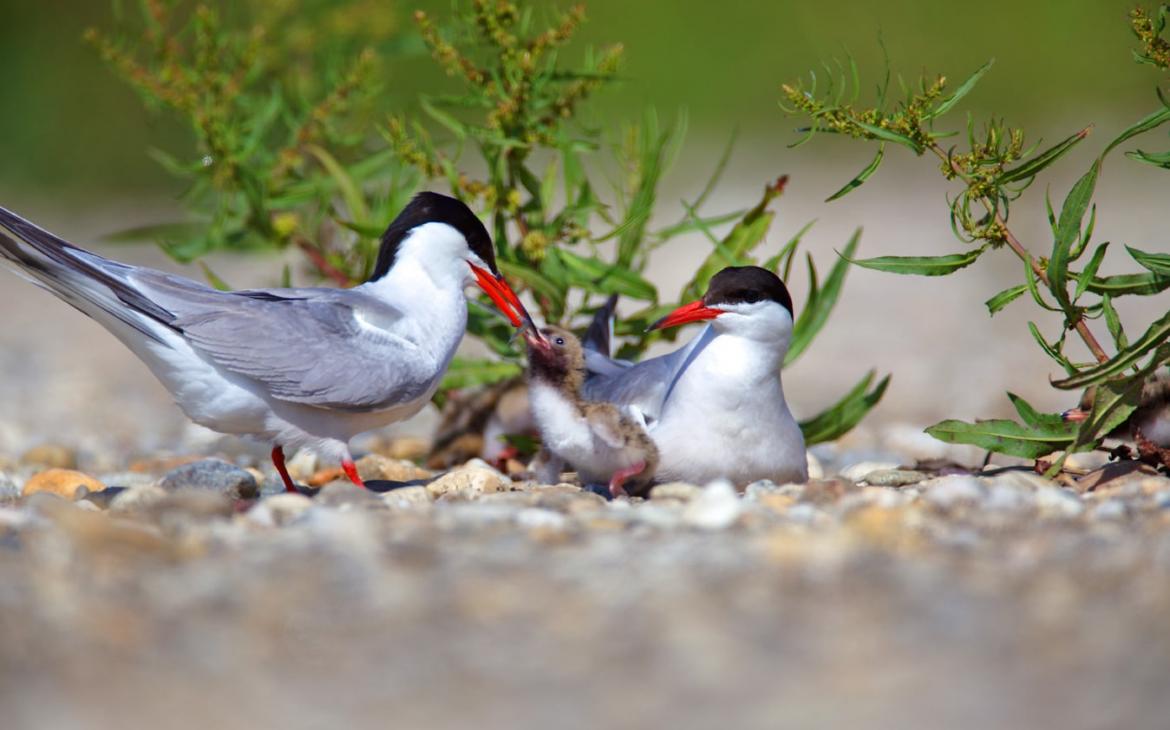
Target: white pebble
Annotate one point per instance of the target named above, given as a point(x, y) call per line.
point(1109, 509)
point(1058, 502)
point(717, 508)
point(536, 517)
point(950, 490)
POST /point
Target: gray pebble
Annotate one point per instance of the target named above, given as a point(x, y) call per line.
point(894, 477)
point(213, 475)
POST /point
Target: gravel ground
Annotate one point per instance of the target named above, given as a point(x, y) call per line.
point(869, 597)
point(949, 600)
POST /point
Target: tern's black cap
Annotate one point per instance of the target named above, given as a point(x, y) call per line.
point(428, 207)
point(746, 284)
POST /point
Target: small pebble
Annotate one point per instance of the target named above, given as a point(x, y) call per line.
point(213, 475)
point(469, 481)
point(894, 477)
point(407, 497)
point(279, 509)
point(1058, 502)
point(1108, 510)
point(716, 508)
point(680, 491)
point(858, 472)
point(952, 490)
point(63, 482)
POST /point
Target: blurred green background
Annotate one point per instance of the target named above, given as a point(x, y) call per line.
point(71, 130)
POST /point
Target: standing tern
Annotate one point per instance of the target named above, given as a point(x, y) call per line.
point(299, 368)
point(715, 406)
point(604, 443)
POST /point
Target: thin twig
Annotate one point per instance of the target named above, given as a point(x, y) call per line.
point(322, 264)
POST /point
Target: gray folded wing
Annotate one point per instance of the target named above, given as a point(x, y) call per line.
point(304, 345)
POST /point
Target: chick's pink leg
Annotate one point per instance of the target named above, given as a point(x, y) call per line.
point(621, 475)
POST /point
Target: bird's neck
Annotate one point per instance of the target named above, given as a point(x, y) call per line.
point(431, 299)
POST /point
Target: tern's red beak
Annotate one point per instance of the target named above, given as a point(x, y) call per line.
point(503, 296)
point(693, 312)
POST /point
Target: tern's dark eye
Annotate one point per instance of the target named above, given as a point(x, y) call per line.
point(750, 296)
point(560, 340)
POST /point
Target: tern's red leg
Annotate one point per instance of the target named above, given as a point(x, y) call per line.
point(278, 462)
point(621, 475)
point(350, 470)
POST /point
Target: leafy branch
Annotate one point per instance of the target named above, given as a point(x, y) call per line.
point(995, 168)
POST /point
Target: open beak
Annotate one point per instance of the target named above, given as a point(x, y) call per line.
point(693, 312)
point(536, 340)
point(503, 297)
point(1075, 415)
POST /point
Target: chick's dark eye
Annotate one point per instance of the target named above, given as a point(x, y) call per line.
point(560, 340)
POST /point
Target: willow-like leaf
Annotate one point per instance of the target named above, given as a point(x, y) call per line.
point(846, 413)
point(1030, 168)
point(1159, 263)
point(1086, 277)
point(1003, 437)
point(861, 177)
point(820, 306)
point(1005, 297)
point(964, 89)
point(1068, 232)
point(922, 265)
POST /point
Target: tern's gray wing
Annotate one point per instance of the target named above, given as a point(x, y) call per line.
point(645, 385)
point(321, 347)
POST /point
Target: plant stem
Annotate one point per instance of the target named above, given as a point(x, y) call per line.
point(321, 263)
point(1077, 321)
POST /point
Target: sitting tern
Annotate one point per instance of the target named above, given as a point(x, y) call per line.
point(715, 406)
point(298, 367)
point(604, 443)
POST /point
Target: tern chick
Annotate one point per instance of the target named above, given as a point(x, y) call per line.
point(603, 442)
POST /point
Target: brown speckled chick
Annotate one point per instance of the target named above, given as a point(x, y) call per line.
point(603, 443)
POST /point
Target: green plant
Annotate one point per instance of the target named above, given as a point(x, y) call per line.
point(281, 161)
point(993, 169)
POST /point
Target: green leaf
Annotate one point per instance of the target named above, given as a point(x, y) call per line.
point(1049, 422)
point(1159, 263)
point(467, 372)
point(964, 89)
point(350, 192)
point(1158, 159)
point(820, 303)
point(1086, 277)
point(888, 135)
point(213, 278)
point(1050, 350)
point(599, 276)
point(862, 176)
point(541, 285)
point(455, 126)
point(1151, 121)
point(1030, 168)
point(1152, 338)
point(1068, 231)
point(1003, 437)
point(922, 265)
point(786, 254)
point(1122, 284)
point(744, 236)
point(1113, 323)
point(1005, 297)
point(156, 232)
point(842, 416)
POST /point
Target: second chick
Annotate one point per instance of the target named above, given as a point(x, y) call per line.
point(603, 443)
